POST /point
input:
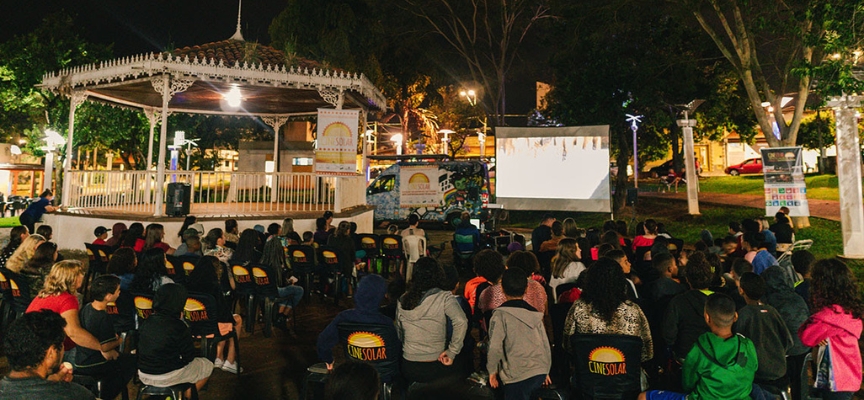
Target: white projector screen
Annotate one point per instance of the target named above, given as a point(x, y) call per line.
point(564, 168)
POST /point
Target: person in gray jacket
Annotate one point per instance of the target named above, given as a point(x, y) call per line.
point(421, 322)
point(519, 353)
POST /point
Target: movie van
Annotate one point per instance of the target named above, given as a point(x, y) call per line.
point(434, 190)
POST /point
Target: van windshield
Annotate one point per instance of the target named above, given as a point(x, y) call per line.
point(382, 184)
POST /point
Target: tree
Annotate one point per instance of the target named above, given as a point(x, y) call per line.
point(485, 34)
point(776, 48)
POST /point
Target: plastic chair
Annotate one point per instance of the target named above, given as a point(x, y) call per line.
point(267, 292)
point(371, 244)
point(618, 355)
point(7, 312)
point(174, 266)
point(303, 263)
point(20, 288)
point(143, 306)
point(200, 312)
point(329, 259)
point(415, 247)
point(376, 345)
point(95, 386)
point(245, 289)
point(187, 262)
point(98, 256)
point(463, 249)
point(173, 392)
point(122, 315)
point(393, 252)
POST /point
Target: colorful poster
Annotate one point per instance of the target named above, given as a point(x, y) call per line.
point(336, 150)
point(784, 181)
point(418, 186)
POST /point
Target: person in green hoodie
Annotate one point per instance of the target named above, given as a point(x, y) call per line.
point(721, 365)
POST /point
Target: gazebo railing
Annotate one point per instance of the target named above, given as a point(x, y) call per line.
point(215, 192)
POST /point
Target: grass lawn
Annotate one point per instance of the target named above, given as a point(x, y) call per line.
point(9, 222)
point(825, 234)
point(819, 187)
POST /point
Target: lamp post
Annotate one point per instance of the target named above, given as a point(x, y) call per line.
point(692, 175)
point(52, 140)
point(471, 96)
point(445, 141)
point(397, 140)
point(634, 120)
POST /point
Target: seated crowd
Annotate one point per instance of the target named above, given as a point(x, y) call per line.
point(94, 349)
point(729, 318)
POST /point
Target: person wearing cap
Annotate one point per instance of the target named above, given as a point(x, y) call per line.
point(101, 234)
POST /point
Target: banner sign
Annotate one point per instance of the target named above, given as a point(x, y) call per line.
point(784, 181)
point(418, 186)
point(336, 150)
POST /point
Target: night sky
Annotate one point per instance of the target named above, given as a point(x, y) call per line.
point(137, 27)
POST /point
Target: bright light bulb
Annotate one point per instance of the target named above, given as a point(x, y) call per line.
point(233, 97)
point(471, 92)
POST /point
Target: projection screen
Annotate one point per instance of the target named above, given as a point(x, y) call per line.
point(558, 168)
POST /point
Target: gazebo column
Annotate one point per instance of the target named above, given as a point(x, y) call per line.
point(364, 114)
point(276, 123)
point(76, 98)
point(849, 174)
point(152, 117)
point(166, 86)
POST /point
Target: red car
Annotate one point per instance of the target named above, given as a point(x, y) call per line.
point(751, 166)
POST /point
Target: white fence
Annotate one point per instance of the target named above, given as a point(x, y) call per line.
point(217, 192)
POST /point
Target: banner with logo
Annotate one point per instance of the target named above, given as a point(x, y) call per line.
point(418, 186)
point(783, 168)
point(336, 150)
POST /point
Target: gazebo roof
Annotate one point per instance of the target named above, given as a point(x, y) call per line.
point(270, 84)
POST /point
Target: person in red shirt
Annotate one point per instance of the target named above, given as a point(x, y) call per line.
point(58, 295)
point(101, 234)
point(153, 239)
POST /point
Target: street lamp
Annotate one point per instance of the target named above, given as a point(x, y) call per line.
point(471, 96)
point(397, 140)
point(233, 97)
point(445, 141)
point(692, 175)
point(634, 120)
point(52, 140)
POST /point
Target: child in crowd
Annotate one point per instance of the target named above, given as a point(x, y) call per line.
point(836, 328)
point(802, 261)
point(101, 234)
point(739, 267)
point(166, 353)
point(762, 324)
point(308, 239)
point(115, 374)
point(183, 248)
point(353, 381)
point(794, 312)
point(519, 352)
point(721, 365)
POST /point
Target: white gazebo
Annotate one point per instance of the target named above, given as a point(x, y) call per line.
point(197, 80)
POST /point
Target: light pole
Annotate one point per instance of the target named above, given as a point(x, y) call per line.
point(692, 175)
point(52, 140)
point(634, 120)
point(397, 140)
point(471, 96)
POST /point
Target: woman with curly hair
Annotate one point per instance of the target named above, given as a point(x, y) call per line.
point(421, 322)
point(835, 327)
point(58, 295)
point(38, 267)
point(604, 308)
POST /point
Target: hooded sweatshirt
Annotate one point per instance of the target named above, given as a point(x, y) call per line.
point(423, 329)
point(717, 368)
point(370, 293)
point(842, 331)
point(165, 342)
point(518, 345)
point(762, 324)
point(792, 308)
point(685, 320)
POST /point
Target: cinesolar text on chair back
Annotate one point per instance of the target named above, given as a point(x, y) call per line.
point(607, 366)
point(143, 305)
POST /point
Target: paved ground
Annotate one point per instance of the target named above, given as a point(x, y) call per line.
point(826, 209)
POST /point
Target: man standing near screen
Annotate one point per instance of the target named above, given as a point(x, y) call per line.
point(542, 233)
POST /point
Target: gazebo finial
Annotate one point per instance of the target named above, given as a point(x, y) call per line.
point(238, 35)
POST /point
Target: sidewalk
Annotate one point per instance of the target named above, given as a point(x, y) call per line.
point(825, 209)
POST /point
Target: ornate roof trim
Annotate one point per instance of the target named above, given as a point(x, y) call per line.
point(254, 74)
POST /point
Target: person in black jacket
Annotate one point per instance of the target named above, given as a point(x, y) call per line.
point(205, 279)
point(685, 321)
point(166, 353)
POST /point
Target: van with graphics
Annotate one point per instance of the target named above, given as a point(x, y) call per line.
point(434, 190)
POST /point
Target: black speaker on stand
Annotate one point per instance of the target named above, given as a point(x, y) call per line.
point(179, 198)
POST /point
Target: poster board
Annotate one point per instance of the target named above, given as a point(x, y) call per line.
point(419, 186)
point(336, 150)
point(783, 168)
